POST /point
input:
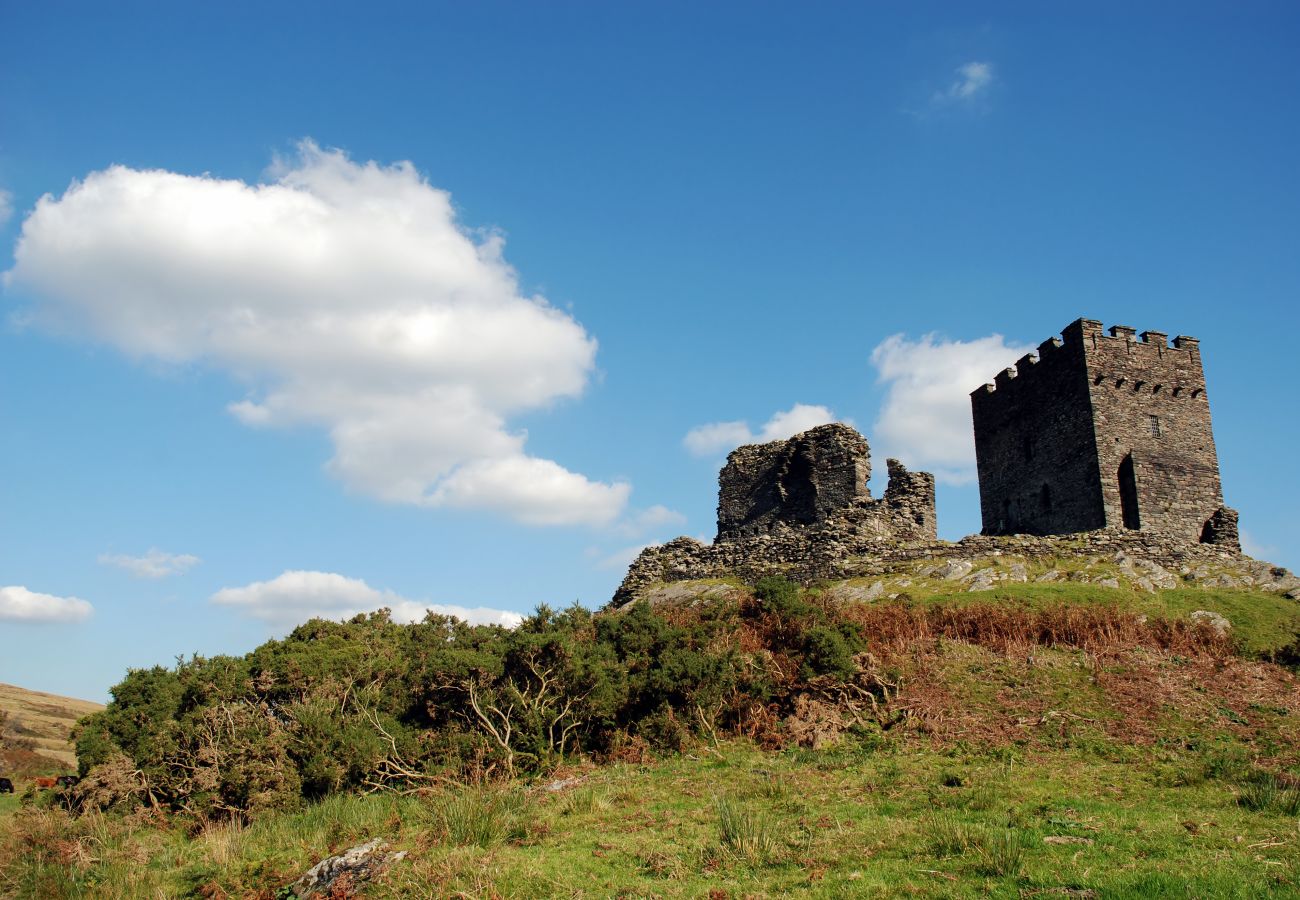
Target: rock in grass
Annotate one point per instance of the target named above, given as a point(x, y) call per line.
point(348, 869)
point(1220, 625)
point(954, 569)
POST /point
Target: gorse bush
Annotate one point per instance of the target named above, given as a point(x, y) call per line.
point(369, 704)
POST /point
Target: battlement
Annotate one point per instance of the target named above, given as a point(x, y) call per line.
point(1086, 344)
point(1052, 360)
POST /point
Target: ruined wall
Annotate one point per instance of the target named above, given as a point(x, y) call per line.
point(798, 507)
point(1100, 431)
point(816, 478)
point(794, 482)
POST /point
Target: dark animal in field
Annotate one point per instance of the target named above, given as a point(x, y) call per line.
point(67, 780)
point(6, 786)
point(46, 783)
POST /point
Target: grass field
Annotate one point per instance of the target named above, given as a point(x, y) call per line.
point(861, 820)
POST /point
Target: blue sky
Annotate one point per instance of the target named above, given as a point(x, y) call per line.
point(418, 304)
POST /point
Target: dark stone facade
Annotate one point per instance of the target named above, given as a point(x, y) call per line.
point(813, 477)
point(795, 482)
point(1101, 431)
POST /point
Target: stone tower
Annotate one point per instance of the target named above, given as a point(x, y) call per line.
point(1101, 431)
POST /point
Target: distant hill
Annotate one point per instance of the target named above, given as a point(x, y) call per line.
point(38, 733)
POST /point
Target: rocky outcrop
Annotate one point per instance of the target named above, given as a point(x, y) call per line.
point(826, 553)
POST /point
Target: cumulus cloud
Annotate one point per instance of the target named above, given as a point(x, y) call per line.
point(6, 206)
point(925, 418)
point(346, 296)
point(722, 437)
point(293, 597)
point(972, 80)
point(17, 604)
point(154, 563)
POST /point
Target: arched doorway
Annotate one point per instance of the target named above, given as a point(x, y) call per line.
point(1128, 493)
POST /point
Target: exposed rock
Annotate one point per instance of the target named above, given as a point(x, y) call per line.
point(954, 569)
point(1220, 625)
point(846, 593)
point(348, 869)
point(563, 784)
point(1108, 582)
point(1048, 577)
point(983, 580)
point(1018, 573)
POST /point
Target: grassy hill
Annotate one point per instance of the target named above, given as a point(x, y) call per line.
point(1088, 733)
point(41, 725)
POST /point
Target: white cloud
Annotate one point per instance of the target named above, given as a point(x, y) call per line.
point(154, 564)
point(722, 437)
point(293, 597)
point(972, 81)
point(347, 297)
point(1252, 547)
point(17, 604)
point(622, 558)
point(647, 520)
point(6, 206)
point(926, 418)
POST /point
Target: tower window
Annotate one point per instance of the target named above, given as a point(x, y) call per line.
point(1155, 425)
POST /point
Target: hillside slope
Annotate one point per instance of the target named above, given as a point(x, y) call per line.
point(1055, 745)
point(38, 734)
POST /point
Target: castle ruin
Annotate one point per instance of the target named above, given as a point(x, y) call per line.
point(797, 507)
point(1101, 431)
point(1102, 436)
point(813, 476)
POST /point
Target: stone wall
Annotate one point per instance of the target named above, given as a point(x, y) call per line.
point(1101, 430)
point(825, 555)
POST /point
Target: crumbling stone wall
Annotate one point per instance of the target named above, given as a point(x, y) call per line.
point(795, 482)
point(813, 478)
point(1101, 430)
point(824, 557)
point(798, 506)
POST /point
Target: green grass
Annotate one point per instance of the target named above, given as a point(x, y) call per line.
point(1261, 621)
point(848, 821)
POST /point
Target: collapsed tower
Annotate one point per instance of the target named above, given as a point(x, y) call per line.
point(815, 476)
point(1101, 431)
